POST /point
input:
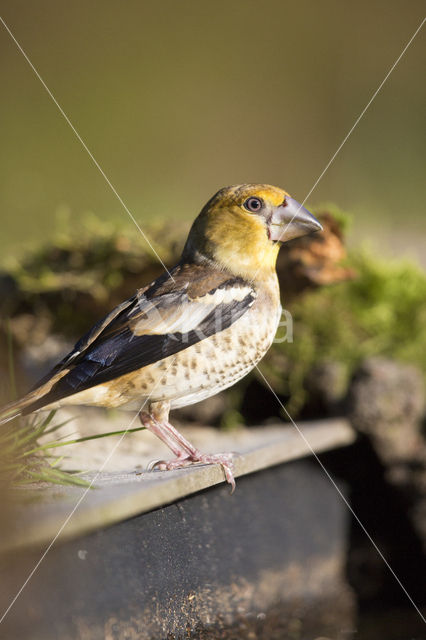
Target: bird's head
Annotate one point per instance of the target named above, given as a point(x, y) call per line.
point(241, 228)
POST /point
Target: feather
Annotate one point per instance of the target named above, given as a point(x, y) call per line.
point(160, 320)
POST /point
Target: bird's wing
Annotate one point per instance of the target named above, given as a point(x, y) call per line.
point(164, 318)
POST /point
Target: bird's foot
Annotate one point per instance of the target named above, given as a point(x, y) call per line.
point(224, 459)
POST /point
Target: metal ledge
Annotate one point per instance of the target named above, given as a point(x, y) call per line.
point(117, 496)
point(266, 562)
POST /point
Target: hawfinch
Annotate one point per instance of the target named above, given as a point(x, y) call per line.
point(191, 333)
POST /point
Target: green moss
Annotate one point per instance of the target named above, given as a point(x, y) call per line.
point(381, 312)
point(90, 267)
point(95, 266)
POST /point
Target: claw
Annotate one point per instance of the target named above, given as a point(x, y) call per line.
point(224, 459)
point(186, 453)
point(153, 464)
point(228, 470)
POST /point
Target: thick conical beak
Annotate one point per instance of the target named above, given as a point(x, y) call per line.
point(291, 220)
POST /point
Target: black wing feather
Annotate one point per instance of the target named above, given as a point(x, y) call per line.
point(111, 349)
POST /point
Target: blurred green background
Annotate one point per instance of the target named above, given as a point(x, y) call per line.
point(178, 98)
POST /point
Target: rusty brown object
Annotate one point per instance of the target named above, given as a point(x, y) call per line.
point(303, 264)
point(313, 261)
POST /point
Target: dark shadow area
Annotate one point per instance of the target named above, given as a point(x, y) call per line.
point(384, 610)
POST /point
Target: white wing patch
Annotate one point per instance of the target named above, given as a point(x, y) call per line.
point(225, 296)
point(185, 316)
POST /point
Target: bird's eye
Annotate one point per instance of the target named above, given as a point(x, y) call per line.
point(253, 204)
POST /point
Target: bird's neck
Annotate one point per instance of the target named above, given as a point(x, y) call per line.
point(249, 255)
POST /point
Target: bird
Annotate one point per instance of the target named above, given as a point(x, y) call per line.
point(194, 331)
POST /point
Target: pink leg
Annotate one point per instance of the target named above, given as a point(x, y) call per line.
point(158, 429)
point(186, 454)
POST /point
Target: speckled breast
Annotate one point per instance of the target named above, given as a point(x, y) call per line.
point(221, 360)
point(215, 363)
point(201, 370)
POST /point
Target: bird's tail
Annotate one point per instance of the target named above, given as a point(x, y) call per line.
point(38, 398)
point(33, 400)
point(14, 409)
point(10, 411)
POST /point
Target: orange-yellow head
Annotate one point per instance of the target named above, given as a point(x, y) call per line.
point(241, 227)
